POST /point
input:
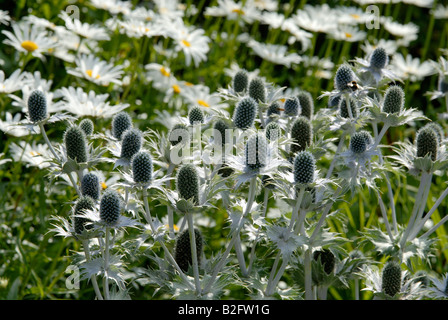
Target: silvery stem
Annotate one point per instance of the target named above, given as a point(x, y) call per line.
point(194, 253)
point(106, 264)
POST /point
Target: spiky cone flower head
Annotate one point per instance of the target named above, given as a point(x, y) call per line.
point(121, 122)
point(256, 150)
point(306, 104)
point(90, 185)
point(273, 131)
point(82, 204)
point(187, 183)
point(327, 259)
point(394, 99)
point(87, 126)
point(245, 113)
point(304, 168)
point(344, 76)
point(359, 141)
point(273, 109)
point(379, 58)
point(131, 143)
point(220, 126)
point(76, 144)
point(437, 129)
point(179, 133)
point(110, 207)
point(301, 134)
point(142, 168)
point(292, 106)
point(427, 143)
point(37, 106)
point(240, 81)
point(196, 115)
point(257, 90)
point(182, 251)
point(343, 108)
point(391, 278)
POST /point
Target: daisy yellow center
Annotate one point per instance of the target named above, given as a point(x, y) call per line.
point(103, 185)
point(203, 103)
point(355, 16)
point(34, 153)
point(29, 46)
point(238, 11)
point(348, 35)
point(186, 43)
point(176, 88)
point(188, 84)
point(90, 72)
point(164, 72)
point(146, 29)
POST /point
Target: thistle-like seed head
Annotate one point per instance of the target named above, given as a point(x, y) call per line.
point(306, 104)
point(343, 108)
point(256, 151)
point(292, 106)
point(344, 75)
point(427, 143)
point(131, 143)
point(273, 131)
point(179, 133)
point(274, 108)
point(87, 126)
point(187, 183)
point(245, 113)
point(257, 90)
point(90, 186)
point(240, 81)
point(82, 204)
point(304, 168)
point(391, 278)
point(37, 106)
point(393, 101)
point(182, 253)
point(195, 115)
point(76, 144)
point(110, 206)
point(327, 259)
point(379, 58)
point(302, 134)
point(121, 122)
point(437, 129)
point(359, 141)
point(142, 167)
point(221, 126)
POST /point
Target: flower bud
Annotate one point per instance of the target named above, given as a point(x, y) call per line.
point(301, 134)
point(391, 278)
point(82, 204)
point(393, 101)
point(359, 142)
point(142, 167)
point(240, 81)
point(257, 90)
point(427, 143)
point(379, 58)
point(306, 104)
point(110, 206)
point(344, 75)
point(245, 113)
point(273, 131)
point(131, 143)
point(195, 115)
point(292, 106)
point(304, 167)
point(120, 123)
point(256, 151)
point(182, 253)
point(87, 126)
point(37, 106)
point(90, 186)
point(274, 108)
point(76, 144)
point(187, 182)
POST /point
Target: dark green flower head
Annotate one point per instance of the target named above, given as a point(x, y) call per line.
point(257, 90)
point(306, 104)
point(427, 143)
point(343, 108)
point(182, 253)
point(179, 133)
point(344, 75)
point(37, 106)
point(131, 143)
point(142, 167)
point(437, 129)
point(121, 122)
point(391, 278)
point(393, 101)
point(304, 168)
point(273, 131)
point(292, 106)
point(256, 151)
point(110, 206)
point(187, 183)
point(90, 185)
point(359, 142)
point(273, 109)
point(379, 58)
point(82, 204)
point(220, 126)
point(327, 259)
point(87, 126)
point(301, 134)
point(195, 115)
point(76, 144)
point(240, 81)
point(245, 113)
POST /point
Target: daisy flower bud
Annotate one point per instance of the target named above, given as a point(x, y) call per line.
point(37, 106)
point(110, 206)
point(301, 133)
point(240, 81)
point(76, 144)
point(292, 106)
point(273, 131)
point(344, 75)
point(427, 143)
point(195, 115)
point(86, 125)
point(379, 58)
point(391, 278)
point(257, 90)
point(343, 109)
point(393, 101)
point(187, 183)
point(274, 108)
point(179, 132)
point(306, 104)
point(182, 253)
point(304, 167)
point(131, 143)
point(142, 167)
point(120, 123)
point(90, 186)
point(221, 126)
point(245, 113)
point(256, 151)
point(326, 258)
point(83, 203)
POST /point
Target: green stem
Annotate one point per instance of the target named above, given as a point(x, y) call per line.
point(194, 253)
point(106, 265)
point(308, 278)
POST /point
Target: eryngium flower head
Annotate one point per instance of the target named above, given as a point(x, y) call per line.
point(195, 115)
point(379, 58)
point(120, 123)
point(82, 204)
point(344, 75)
point(90, 185)
point(110, 206)
point(306, 104)
point(291, 106)
point(301, 134)
point(256, 151)
point(257, 90)
point(273, 131)
point(182, 253)
point(131, 143)
point(437, 129)
point(87, 126)
point(245, 113)
point(142, 167)
point(37, 106)
point(304, 167)
point(360, 141)
point(391, 278)
point(187, 183)
point(274, 108)
point(76, 144)
point(427, 143)
point(326, 258)
point(240, 81)
point(179, 133)
point(393, 101)
point(343, 108)
point(220, 126)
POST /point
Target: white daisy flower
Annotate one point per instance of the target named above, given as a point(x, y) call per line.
point(40, 22)
point(297, 34)
point(11, 126)
point(138, 29)
point(348, 33)
point(14, 82)
point(352, 15)
point(96, 70)
point(113, 6)
point(268, 5)
point(411, 68)
point(199, 95)
point(141, 14)
point(4, 17)
point(169, 9)
point(35, 155)
point(274, 53)
point(28, 39)
point(316, 18)
point(247, 13)
point(85, 29)
point(408, 32)
point(160, 76)
point(69, 41)
point(440, 12)
point(274, 19)
point(391, 46)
